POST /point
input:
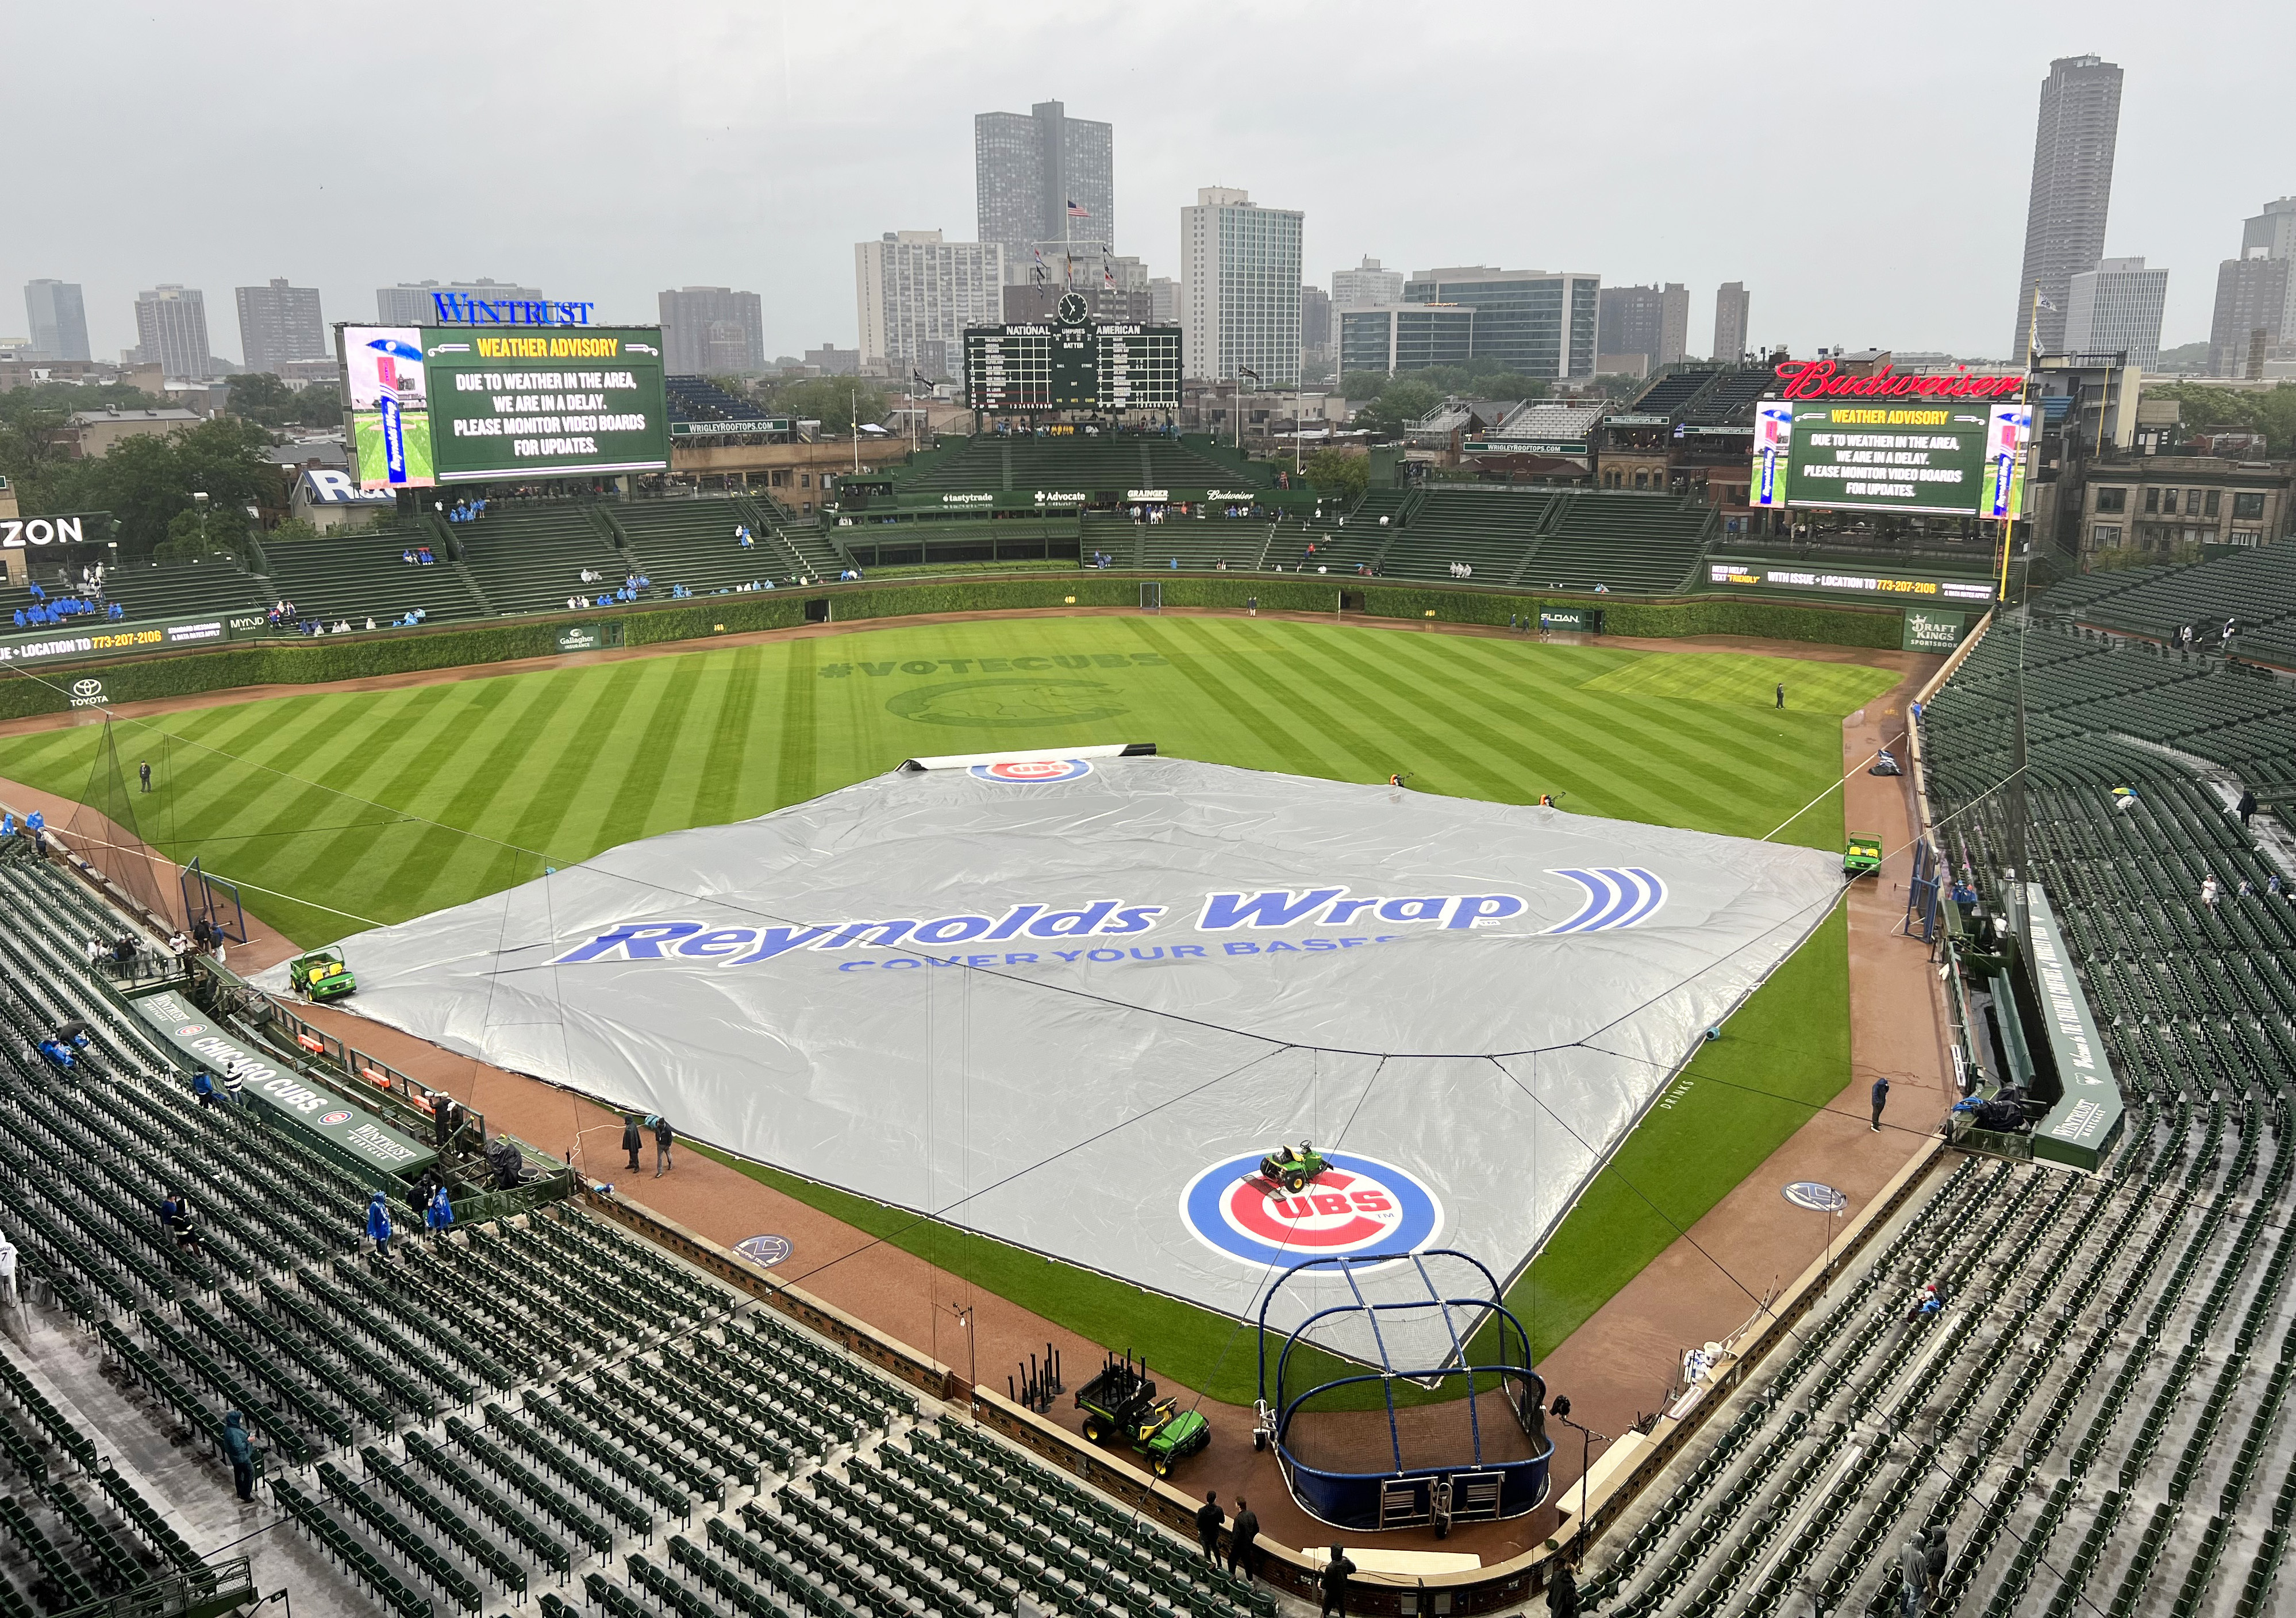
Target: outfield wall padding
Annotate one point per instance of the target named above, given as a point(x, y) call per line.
point(324, 660)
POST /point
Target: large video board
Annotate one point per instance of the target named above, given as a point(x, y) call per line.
point(1951, 458)
point(433, 405)
point(1072, 364)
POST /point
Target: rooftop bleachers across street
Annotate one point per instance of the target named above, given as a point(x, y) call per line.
point(1730, 396)
point(697, 398)
point(536, 1405)
point(2098, 1418)
point(355, 577)
point(1642, 543)
point(1671, 392)
point(532, 559)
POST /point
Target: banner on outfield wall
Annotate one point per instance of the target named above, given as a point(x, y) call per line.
point(348, 1134)
point(1928, 631)
point(93, 637)
point(589, 638)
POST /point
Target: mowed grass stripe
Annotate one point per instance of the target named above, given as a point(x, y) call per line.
point(590, 710)
point(510, 725)
point(796, 762)
point(1249, 716)
point(653, 764)
point(717, 786)
point(1586, 739)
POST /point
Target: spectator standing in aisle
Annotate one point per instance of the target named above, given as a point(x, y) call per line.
point(439, 1212)
point(203, 1089)
point(378, 1225)
point(242, 1454)
point(1335, 1584)
point(1562, 1594)
point(2208, 890)
point(1936, 1558)
point(632, 1139)
point(234, 1084)
point(2246, 807)
point(1243, 1540)
point(1880, 1099)
point(1913, 1571)
point(1209, 1518)
point(662, 1139)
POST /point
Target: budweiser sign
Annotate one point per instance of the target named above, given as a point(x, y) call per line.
point(1822, 379)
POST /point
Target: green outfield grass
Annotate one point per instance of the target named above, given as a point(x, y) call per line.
point(336, 811)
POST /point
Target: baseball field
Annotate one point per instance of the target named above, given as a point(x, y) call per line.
point(338, 811)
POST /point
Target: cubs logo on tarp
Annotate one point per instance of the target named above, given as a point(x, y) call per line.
point(1034, 772)
point(1357, 1205)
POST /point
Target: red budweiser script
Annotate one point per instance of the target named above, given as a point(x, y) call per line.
point(1820, 379)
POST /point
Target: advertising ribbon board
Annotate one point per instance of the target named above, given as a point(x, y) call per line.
point(92, 637)
point(348, 1135)
point(2082, 1126)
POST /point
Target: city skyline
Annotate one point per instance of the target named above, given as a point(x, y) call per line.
point(694, 205)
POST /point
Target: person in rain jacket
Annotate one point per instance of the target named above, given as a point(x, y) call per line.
point(439, 1212)
point(633, 1138)
point(242, 1451)
point(378, 1225)
point(203, 1088)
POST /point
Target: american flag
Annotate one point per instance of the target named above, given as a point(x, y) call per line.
point(1075, 212)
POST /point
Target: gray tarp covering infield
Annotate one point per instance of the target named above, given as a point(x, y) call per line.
point(1478, 999)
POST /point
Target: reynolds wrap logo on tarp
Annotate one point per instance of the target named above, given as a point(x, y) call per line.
point(1612, 898)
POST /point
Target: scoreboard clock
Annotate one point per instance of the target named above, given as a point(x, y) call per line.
point(1072, 362)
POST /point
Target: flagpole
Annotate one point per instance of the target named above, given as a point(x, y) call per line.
point(2024, 386)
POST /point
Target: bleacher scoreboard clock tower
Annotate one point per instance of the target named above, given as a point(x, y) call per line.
point(1071, 362)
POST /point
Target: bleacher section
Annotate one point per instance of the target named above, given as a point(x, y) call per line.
point(156, 589)
point(1729, 398)
point(360, 576)
point(1669, 393)
point(535, 1406)
point(2257, 586)
point(1641, 544)
point(1491, 528)
point(530, 559)
point(2098, 1418)
point(692, 543)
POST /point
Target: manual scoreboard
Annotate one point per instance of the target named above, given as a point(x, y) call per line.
point(1072, 363)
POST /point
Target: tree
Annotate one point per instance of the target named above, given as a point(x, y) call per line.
point(320, 404)
point(833, 401)
point(146, 482)
point(1335, 472)
point(1403, 401)
point(2270, 411)
point(194, 534)
point(294, 530)
point(257, 396)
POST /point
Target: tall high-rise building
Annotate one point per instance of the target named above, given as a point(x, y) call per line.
point(2252, 295)
point(1164, 300)
point(1315, 320)
point(917, 293)
point(1730, 308)
point(279, 323)
point(1367, 282)
point(2250, 321)
point(409, 303)
point(1650, 321)
point(59, 319)
point(2072, 188)
point(711, 331)
point(172, 328)
point(1043, 178)
point(1536, 323)
point(2116, 309)
point(1240, 278)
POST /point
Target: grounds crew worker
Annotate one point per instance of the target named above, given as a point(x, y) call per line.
point(662, 1137)
point(633, 1138)
point(1881, 1098)
point(1243, 1540)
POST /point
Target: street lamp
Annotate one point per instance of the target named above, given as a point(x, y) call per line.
point(1561, 1411)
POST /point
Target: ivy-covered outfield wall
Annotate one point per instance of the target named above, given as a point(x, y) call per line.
point(319, 660)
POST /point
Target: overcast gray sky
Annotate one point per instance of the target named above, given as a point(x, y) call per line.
point(1863, 170)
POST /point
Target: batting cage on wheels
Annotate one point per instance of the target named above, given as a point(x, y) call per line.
point(1399, 1441)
